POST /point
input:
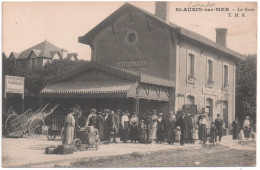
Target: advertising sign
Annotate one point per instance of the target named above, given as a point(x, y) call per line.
point(14, 84)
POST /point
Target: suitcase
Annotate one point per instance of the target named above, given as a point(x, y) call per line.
point(65, 149)
point(51, 150)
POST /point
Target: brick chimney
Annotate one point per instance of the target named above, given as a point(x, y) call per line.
point(162, 10)
point(221, 36)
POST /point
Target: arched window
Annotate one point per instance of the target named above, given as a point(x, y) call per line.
point(190, 99)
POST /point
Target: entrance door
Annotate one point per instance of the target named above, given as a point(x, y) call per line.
point(225, 113)
point(209, 107)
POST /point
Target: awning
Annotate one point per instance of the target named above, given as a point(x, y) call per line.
point(90, 89)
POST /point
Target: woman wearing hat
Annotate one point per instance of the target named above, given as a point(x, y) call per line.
point(160, 128)
point(247, 127)
point(153, 127)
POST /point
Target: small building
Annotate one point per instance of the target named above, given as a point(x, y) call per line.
point(144, 62)
point(38, 55)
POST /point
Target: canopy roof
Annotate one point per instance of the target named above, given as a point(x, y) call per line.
point(91, 89)
point(94, 80)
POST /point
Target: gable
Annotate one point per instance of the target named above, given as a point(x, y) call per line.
point(128, 43)
point(56, 56)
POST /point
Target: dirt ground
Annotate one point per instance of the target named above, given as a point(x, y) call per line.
point(29, 152)
point(225, 158)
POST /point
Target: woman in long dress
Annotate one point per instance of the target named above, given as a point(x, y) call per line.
point(154, 127)
point(246, 126)
point(160, 130)
point(134, 131)
point(236, 128)
point(70, 127)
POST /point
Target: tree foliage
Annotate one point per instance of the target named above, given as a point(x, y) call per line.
point(246, 88)
point(36, 79)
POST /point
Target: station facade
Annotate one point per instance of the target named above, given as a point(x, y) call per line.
point(141, 61)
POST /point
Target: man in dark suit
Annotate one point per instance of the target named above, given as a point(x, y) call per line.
point(183, 123)
point(190, 128)
point(219, 126)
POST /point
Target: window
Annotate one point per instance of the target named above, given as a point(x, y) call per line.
point(210, 73)
point(131, 37)
point(190, 66)
point(190, 99)
point(226, 76)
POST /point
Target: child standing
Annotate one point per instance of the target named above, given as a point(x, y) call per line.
point(213, 133)
point(177, 136)
point(241, 135)
point(195, 136)
point(143, 132)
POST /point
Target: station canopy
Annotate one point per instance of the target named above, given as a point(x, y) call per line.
point(95, 80)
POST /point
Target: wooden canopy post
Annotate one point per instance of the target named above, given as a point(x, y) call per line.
point(137, 101)
point(22, 103)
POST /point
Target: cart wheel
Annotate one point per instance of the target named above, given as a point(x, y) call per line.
point(62, 133)
point(51, 135)
point(77, 144)
point(36, 127)
point(8, 121)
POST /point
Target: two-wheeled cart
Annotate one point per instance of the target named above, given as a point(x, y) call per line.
point(29, 122)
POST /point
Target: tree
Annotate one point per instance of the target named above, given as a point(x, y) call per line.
point(36, 79)
point(246, 88)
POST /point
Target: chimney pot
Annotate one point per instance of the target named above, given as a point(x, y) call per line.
point(221, 36)
point(162, 10)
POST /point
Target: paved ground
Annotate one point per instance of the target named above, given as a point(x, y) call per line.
point(29, 152)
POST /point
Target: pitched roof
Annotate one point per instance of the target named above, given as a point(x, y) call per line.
point(44, 47)
point(69, 55)
point(120, 72)
point(16, 55)
point(86, 39)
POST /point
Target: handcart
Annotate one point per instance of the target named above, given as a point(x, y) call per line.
point(29, 122)
point(86, 137)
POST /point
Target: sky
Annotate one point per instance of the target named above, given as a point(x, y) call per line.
point(28, 23)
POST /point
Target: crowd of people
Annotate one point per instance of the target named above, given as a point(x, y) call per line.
point(179, 128)
point(151, 127)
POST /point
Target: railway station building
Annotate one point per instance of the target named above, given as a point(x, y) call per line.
point(142, 61)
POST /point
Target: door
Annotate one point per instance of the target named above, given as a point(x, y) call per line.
point(225, 113)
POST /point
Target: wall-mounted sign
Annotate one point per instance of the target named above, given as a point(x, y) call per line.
point(209, 91)
point(14, 84)
point(133, 64)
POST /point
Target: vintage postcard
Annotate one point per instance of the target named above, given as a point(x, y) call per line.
point(129, 84)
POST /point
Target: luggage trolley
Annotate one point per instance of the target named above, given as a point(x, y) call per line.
point(86, 137)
